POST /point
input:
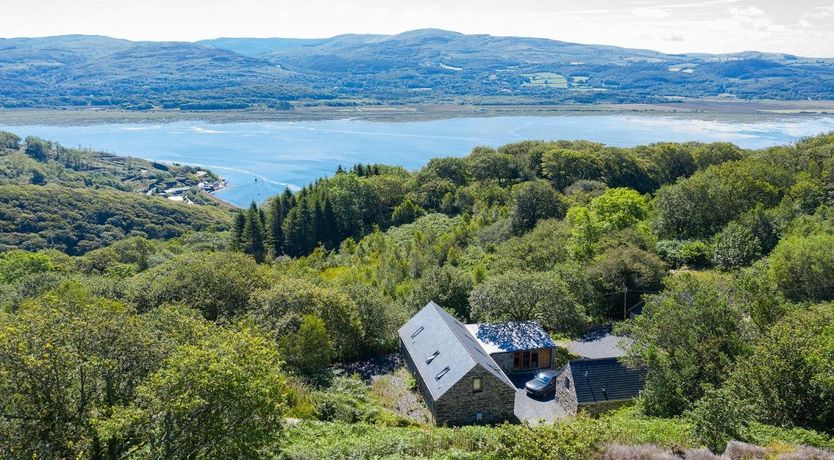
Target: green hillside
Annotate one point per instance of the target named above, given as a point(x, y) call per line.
point(78, 220)
point(421, 66)
point(78, 200)
point(244, 344)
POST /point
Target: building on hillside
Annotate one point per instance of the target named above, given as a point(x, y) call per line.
point(597, 381)
point(460, 383)
point(462, 370)
point(597, 385)
point(516, 346)
point(176, 191)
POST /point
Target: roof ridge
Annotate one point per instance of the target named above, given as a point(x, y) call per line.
point(458, 328)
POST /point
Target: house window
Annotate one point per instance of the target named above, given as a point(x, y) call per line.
point(477, 385)
point(479, 416)
point(567, 383)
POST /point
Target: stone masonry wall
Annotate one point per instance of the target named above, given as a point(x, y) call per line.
point(504, 361)
point(565, 393)
point(595, 409)
point(459, 405)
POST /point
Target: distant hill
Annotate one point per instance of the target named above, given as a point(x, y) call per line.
point(79, 200)
point(429, 65)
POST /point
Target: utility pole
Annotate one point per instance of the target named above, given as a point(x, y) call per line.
point(625, 303)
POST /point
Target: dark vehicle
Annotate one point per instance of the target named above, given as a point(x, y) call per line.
point(542, 383)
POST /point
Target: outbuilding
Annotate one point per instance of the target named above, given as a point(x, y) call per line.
point(597, 385)
point(516, 346)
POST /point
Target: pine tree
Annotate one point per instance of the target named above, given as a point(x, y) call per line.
point(274, 226)
point(237, 231)
point(319, 226)
point(308, 226)
point(330, 226)
point(297, 229)
point(253, 233)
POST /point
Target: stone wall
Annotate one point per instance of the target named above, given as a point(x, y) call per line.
point(565, 393)
point(504, 361)
point(460, 405)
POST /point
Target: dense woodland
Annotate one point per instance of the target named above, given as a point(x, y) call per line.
point(229, 344)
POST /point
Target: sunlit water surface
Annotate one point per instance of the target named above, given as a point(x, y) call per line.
point(260, 159)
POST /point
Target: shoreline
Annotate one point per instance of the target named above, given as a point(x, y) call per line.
point(415, 113)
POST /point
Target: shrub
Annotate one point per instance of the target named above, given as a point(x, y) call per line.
point(735, 246)
point(803, 267)
point(535, 201)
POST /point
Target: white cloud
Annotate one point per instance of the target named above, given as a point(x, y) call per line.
point(652, 13)
point(800, 27)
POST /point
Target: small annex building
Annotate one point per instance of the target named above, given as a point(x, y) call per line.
point(516, 346)
point(597, 381)
point(460, 383)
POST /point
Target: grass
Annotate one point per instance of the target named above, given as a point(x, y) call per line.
point(546, 79)
point(622, 434)
point(397, 393)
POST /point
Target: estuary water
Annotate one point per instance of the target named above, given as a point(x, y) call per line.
point(260, 159)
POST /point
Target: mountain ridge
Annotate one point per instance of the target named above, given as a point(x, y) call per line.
point(419, 66)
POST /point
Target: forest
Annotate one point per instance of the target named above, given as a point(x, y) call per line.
point(235, 335)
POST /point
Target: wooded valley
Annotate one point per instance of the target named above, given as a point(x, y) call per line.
point(136, 327)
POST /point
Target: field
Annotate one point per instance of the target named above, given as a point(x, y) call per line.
point(546, 80)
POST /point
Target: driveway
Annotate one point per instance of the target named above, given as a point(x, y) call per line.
point(534, 410)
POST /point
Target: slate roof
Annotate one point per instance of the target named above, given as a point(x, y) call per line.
point(443, 350)
point(599, 380)
point(511, 336)
point(600, 343)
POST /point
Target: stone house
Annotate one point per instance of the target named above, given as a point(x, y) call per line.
point(462, 371)
point(459, 381)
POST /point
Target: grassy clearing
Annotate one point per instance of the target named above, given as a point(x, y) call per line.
point(546, 79)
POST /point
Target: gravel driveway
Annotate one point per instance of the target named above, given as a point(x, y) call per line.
point(534, 411)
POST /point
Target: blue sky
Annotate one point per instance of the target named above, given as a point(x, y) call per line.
point(804, 27)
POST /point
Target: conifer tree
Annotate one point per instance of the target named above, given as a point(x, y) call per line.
point(237, 231)
point(330, 225)
point(274, 237)
point(253, 233)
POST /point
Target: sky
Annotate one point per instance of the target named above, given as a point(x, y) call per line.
point(802, 27)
